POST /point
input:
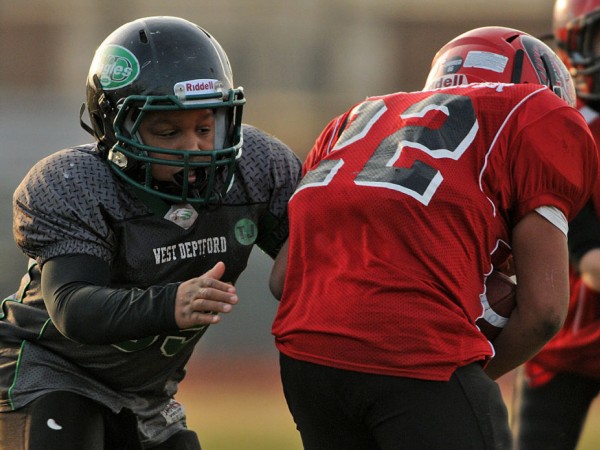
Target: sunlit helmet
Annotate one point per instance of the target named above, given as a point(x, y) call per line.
point(575, 25)
point(499, 55)
point(164, 64)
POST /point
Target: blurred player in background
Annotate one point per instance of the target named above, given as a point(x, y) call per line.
point(407, 203)
point(562, 380)
point(135, 243)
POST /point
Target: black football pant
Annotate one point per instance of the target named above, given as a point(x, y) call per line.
point(67, 421)
point(551, 416)
point(340, 409)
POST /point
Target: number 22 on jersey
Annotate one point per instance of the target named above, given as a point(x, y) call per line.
point(420, 180)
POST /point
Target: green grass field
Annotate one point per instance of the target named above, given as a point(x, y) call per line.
point(238, 404)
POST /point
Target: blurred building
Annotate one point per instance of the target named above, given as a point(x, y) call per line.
point(300, 62)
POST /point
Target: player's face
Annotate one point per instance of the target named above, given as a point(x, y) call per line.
point(178, 130)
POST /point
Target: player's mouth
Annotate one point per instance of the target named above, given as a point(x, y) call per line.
point(178, 177)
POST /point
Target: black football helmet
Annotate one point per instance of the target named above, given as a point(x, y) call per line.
point(162, 64)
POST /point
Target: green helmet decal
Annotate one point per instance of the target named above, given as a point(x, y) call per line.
point(119, 67)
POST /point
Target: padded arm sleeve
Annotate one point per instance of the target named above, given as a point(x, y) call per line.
point(86, 311)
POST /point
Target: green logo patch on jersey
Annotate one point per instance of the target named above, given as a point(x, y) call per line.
point(118, 67)
point(246, 232)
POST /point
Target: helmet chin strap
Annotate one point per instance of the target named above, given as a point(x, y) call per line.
point(84, 125)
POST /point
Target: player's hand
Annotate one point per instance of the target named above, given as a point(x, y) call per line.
point(200, 300)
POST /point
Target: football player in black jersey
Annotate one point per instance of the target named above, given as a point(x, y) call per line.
point(135, 243)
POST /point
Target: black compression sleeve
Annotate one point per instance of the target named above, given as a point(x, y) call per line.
point(86, 311)
point(584, 232)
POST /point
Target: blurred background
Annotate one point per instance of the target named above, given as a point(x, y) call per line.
point(301, 63)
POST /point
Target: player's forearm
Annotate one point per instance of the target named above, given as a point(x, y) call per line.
point(86, 311)
point(99, 315)
point(520, 340)
point(541, 263)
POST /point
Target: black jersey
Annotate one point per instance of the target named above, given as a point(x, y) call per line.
point(72, 203)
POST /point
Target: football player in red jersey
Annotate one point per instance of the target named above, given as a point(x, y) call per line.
point(562, 380)
point(136, 240)
point(407, 202)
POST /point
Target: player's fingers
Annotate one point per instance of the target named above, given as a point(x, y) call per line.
point(206, 284)
point(217, 271)
point(212, 306)
point(203, 318)
point(216, 295)
point(200, 300)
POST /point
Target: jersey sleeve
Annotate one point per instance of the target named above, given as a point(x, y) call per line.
point(284, 172)
point(553, 160)
point(325, 142)
point(60, 207)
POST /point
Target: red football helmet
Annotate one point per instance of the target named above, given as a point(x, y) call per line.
point(576, 27)
point(499, 55)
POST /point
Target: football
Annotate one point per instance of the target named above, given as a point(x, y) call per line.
point(499, 300)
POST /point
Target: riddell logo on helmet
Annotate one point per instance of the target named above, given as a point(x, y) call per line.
point(200, 86)
point(449, 81)
point(195, 87)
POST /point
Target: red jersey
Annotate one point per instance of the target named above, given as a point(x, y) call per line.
point(408, 200)
point(576, 347)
